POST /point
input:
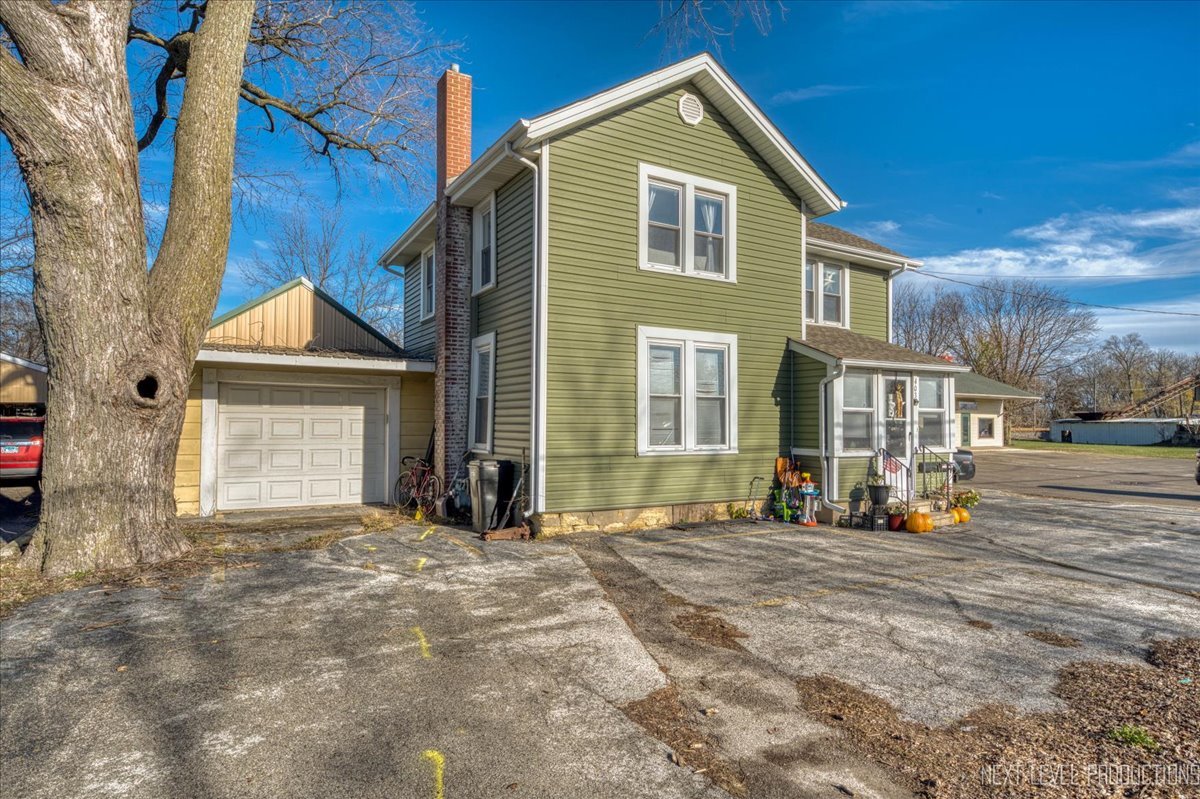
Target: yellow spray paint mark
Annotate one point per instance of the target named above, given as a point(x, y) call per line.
point(476, 551)
point(421, 563)
point(426, 534)
point(417, 631)
point(439, 768)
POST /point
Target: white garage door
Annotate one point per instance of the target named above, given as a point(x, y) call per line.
point(279, 446)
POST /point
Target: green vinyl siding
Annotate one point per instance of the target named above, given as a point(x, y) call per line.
point(420, 338)
point(852, 474)
point(807, 376)
point(507, 310)
point(598, 297)
point(868, 302)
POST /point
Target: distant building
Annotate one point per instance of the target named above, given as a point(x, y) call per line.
point(980, 404)
point(1127, 432)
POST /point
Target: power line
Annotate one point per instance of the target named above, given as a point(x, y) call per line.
point(1065, 277)
point(1069, 301)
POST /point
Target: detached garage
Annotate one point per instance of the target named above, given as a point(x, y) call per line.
point(297, 402)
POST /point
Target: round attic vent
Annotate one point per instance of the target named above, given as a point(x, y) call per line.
point(691, 110)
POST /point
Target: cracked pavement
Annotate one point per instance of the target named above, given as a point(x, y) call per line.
point(338, 672)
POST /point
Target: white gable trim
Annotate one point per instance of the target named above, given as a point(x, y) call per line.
point(729, 98)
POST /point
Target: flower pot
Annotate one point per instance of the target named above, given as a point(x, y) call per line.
point(895, 521)
point(879, 494)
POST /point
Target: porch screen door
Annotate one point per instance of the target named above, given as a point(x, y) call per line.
point(897, 399)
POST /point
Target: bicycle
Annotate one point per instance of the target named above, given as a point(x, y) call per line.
point(418, 486)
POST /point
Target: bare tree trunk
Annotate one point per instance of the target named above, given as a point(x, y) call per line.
point(120, 341)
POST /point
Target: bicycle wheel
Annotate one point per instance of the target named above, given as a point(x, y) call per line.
point(428, 494)
point(405, 492)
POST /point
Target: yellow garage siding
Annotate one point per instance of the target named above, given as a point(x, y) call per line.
point(416, 415)
point(20, 385)
point(187, 462)
point(598, 297)
point(296, 318)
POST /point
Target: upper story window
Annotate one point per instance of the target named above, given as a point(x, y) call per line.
point(483, 384)
point(687, 224)
point(483, 237)
point(826, 300)
point(428, 284)
point(687, 391)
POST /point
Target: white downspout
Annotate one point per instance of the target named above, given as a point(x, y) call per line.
point(827, 475)
point(535, 488)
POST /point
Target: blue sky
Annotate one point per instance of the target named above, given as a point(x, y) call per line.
point(1046, 139)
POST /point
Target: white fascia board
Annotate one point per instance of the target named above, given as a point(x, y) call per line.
point(902, 366)
point(4, 356)
point(547, 125)
point(485, 163)
point(861, 256)
point(312, 362)
point(406, 239)
point(973, 395)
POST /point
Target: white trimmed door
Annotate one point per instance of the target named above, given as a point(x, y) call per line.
point(284, 446)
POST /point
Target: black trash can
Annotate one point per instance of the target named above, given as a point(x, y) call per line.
point(491, 487)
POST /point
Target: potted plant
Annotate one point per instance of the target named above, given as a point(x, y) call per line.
point(878, 489)
point(895, 512)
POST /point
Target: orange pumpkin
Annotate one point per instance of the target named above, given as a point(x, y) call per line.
point(965, 515)
point(957, 514)
point(928, 520)
point(913, 523)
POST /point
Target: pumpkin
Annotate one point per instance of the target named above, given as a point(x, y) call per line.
point(965, 515)
point(927, 522)
point(957, 514)
point(913, 523)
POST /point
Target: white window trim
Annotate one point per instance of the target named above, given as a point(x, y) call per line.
point(689, 185)
point(944, 410)
point(486, 342)
point(876, 379)
point(818, 287)
point(426, 314)
point(879, 378)
point(477, 245)
point(689, 340)
point(979, 418)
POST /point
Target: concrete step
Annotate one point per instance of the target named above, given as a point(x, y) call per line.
point(942, 519)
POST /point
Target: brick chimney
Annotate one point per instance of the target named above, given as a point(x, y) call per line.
point(453, 126)
point(451, 393)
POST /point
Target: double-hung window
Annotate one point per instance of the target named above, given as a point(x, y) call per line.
point(687, 391)
point(858, 411)
point(483, 237)
point(687, 224)
point(931, 415)
point(483, 390)
point(825, 297)
point(428, 284)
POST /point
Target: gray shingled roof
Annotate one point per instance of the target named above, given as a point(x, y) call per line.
point(835, 235)
point(973, 385)
point(847, 345)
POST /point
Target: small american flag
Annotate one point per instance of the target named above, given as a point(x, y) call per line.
point(891, 465)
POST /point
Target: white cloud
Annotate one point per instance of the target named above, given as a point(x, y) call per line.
point(1176, 332)
point(1099, 244)
point(810, 93)
point(880, 229)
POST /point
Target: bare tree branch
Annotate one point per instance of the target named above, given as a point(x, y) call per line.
point(685, 24)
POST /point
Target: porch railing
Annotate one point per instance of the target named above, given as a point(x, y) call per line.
point(898, 477)
point(941, 466)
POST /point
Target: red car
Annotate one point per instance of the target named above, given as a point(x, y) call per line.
point(21, 450)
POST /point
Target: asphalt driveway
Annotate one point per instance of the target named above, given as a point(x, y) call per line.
point(357, 670)
point(1090, 477)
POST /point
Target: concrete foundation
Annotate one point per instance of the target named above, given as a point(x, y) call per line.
point(629, 519)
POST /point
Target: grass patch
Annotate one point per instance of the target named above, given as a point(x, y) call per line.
point(1157, 451)
point(1133, 735)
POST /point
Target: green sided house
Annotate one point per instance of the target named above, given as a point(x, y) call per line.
point(295, 402)
point(631, 296)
